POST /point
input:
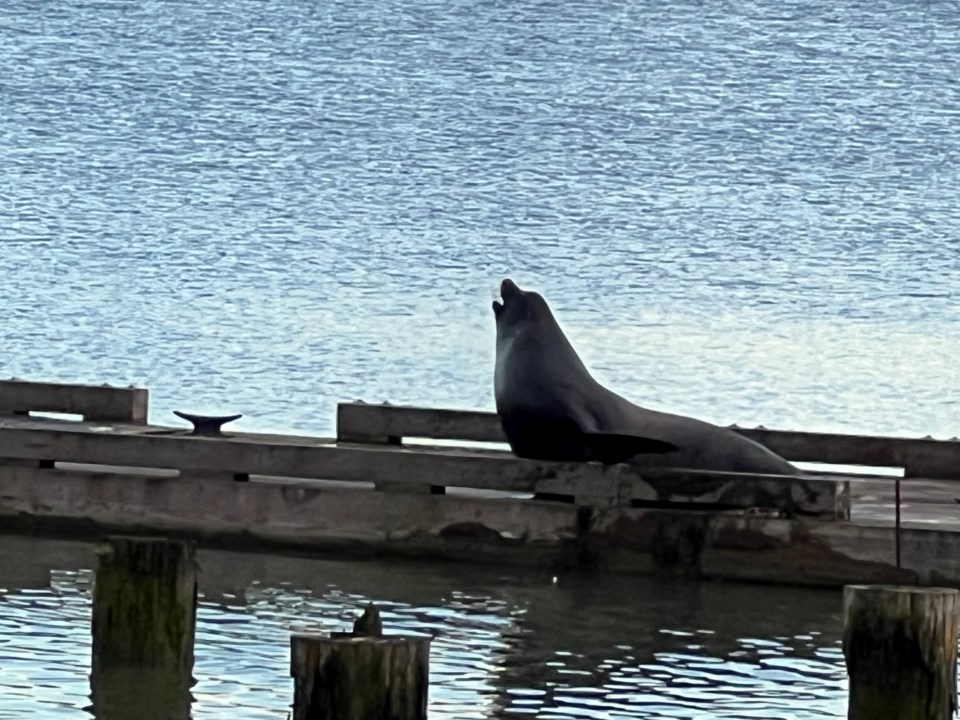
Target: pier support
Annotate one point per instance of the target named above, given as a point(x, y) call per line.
point(900, 645)
point(360, 675)
point(144, 618)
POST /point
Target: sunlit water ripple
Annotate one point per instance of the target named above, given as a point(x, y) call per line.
point(745, 212)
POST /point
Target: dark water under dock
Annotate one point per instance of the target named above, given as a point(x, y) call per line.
point(505, 645)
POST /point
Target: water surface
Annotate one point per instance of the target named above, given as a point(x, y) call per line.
point(505, 645)
point(741, 211)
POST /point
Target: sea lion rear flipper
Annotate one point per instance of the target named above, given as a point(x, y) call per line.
point(610, 448)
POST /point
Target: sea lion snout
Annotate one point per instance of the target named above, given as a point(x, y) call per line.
point(508, 291)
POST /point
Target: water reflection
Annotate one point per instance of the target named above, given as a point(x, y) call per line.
point(675, 649)
point(139, 694)
point(505, 645)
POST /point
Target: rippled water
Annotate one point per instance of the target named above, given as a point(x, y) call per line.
point(504, 646)
point(742, 211)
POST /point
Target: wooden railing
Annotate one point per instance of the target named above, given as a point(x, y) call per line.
point(94, 403)
point(368, 449)
point(919, 457)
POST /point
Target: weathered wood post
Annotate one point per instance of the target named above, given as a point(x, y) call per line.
point(900, 645)
point(144, 620)
point(360, 675)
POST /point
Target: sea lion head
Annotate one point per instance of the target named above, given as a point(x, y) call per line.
point(517, 307)
point(545, 395)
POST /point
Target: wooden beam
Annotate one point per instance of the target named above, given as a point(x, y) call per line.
point(920, 457)
point(503, 532)
point(828, 554)
point(753, 548)
point(253, 454)
point(100, 403)
point(359, 422)
point(276, 514)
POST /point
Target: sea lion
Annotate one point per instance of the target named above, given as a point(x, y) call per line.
point(551, 408)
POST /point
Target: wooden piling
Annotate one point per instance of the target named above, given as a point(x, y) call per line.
point(144, 618)
point(900, 645)
point(145, 604)
point(360, 675)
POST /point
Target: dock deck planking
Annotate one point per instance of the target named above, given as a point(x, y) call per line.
point(327, 495)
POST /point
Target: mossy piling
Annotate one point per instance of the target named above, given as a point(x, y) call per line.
point(900, 645)
point(143, 626)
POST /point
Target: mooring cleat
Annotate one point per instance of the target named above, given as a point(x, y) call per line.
point(206, 424)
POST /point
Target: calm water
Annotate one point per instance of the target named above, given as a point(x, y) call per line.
point(742, 211)
point(503, 647)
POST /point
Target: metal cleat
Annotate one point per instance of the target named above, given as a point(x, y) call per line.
point(207, 425)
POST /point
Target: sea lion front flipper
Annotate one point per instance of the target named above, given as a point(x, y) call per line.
point(611, 448)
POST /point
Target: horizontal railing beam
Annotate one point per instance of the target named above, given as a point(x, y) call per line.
point(919, 457)
point(98, 403)
point(253, 454)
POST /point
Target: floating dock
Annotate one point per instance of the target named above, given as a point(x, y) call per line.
point(379, 487)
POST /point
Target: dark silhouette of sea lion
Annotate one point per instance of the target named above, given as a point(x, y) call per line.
point(551, 408)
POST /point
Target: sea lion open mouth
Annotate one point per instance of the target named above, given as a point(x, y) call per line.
point(508, 290)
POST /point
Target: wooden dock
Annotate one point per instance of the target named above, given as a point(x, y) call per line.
point(371, 491)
